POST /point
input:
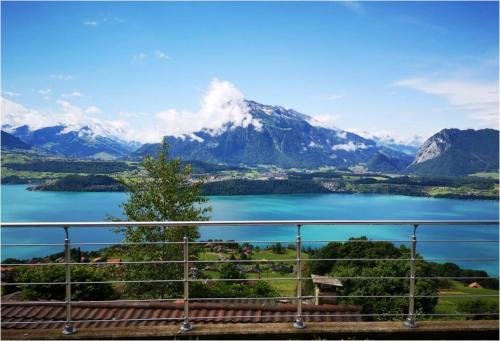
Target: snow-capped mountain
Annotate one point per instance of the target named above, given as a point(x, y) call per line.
point(79, 142)
point(276, 136)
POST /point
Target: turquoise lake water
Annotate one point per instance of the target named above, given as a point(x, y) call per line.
point(19, 205)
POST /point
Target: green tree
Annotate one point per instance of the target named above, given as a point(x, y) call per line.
point(231, 289)
point(396, 285)
point(478, 307)
point(56, 273)
point(277, 248)
point(164, 192)
point(397, 289)
point(230, 271)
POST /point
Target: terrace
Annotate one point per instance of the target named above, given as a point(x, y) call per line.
point(294, 313)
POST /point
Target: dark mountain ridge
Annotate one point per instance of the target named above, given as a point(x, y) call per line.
point(458, 152)
point(81, 143)
point(9, 141)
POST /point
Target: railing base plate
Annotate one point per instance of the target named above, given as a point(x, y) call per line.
point(69, 330)
point(410, 323)
point(185, 327)
point(299, 324)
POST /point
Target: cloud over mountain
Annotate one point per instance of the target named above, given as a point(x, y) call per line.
point(221, 105)
point(15, 114)
point(71, 116)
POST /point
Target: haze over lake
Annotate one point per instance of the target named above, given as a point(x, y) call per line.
point(21, 205)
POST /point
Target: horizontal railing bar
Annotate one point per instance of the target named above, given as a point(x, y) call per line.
point(92, 301)
point(459, 241)
point(230, 317)
point(97, 263)
point(256, 261)
point(4, 284)
point(399, 296)
point(398, 241)
point(403, 259)
point(243, 241)
point(255, 242)
point(244, 223)
point(239, 280)
point(276, 299)
point(242, 298)
point(125, 243)
point(94, 282)
point(108, 320)
point(56, 244)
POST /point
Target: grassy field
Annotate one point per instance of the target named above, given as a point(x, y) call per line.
point(492, 175)
point(450, 299)
point(463, 190)
point(283, 287)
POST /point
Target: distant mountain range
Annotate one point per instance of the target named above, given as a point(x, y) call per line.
point(285, 138)
point(457, 152)
point(282, 137)
point(11, 142)
point(81, 143)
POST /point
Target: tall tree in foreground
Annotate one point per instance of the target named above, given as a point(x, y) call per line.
point(164, 192)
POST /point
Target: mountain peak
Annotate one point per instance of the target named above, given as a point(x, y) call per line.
point(284, 137)
point(458, 152)
point(257, 109)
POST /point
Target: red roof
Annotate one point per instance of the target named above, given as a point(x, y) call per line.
point(87, 315)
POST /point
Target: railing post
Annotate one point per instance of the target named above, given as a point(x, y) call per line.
point(410, 320)
point(68, 328)
point(299, 322)
point(186, 326)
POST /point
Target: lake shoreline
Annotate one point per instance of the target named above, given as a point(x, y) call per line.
point(36, 188)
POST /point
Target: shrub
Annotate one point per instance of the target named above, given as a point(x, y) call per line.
point(56, 273)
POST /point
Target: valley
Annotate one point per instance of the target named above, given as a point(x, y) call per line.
point(274, 150)
point(44, 173)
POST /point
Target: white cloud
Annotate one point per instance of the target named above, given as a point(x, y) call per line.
point(61, 77)
point(142, 56)
point(44, 91)
point(161, 55)
point(349, 146)
point(325, 121)
point(93, 110)
point(223, 105)
point(92, 23)
point(388, 136)
point(73, 94)
point(342, 134)
point(75, 118)
point(10, 93)
point(15, 115)
point(479, 100)
point(139, 58)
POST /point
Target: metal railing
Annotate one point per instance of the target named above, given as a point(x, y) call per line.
point(298, 297)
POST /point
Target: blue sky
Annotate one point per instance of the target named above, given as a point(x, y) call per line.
point(399, 68)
